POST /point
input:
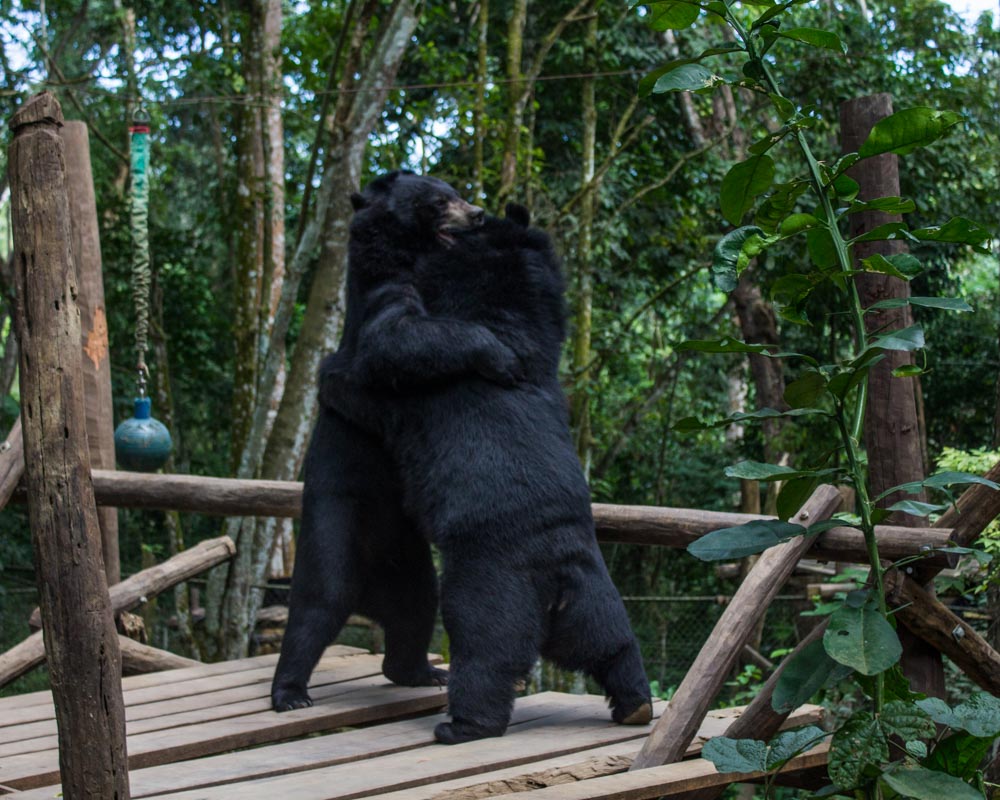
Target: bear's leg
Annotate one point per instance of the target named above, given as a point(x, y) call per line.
point(326, 588)
point(493, 621)
point(591, 632)
point(404, 600)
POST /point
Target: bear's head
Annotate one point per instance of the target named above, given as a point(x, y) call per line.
point(421, 210)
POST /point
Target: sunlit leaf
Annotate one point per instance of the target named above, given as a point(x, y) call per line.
point(906, 130)
point(946, 303)
point(899, 265)
point(673, 16)
point(888, 205)
point(906, 339)
point(686, 78)
point(957, 230)
point(888, 232)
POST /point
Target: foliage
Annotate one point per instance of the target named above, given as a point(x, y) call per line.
point(860, 634)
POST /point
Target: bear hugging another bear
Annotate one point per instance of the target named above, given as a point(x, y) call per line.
point(442, 420)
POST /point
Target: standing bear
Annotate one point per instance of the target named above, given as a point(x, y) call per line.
point(357, 551)
point(486, 465)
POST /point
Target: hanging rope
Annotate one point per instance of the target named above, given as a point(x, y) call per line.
point(141, 278)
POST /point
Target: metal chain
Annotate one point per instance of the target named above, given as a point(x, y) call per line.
point(139, 223)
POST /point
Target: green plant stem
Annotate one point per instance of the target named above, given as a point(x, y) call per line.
point(851, 437)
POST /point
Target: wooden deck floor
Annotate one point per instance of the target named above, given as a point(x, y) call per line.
point(207, 733)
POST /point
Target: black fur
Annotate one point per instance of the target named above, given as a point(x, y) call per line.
point(357, 551)
point(487, 467)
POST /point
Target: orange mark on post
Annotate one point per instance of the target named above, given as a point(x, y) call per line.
point(97, 340)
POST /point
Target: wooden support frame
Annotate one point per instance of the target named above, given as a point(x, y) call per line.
point(126, 595)
point(647, 525)
point(677, 727)
point(76, 608)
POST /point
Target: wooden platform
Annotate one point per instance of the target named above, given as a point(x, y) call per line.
point(189, 731)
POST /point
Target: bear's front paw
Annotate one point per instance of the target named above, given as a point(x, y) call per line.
point(456, 732)
point(290, 699)
point(637, 715)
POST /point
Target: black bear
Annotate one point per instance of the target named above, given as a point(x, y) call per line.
point(488, 469)
point(357, 550)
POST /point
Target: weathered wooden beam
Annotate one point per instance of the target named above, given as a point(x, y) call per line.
point(126, 595)
point(138, 658)
point(137, 589)
point(84, 663)
point(95, 359)
point(648, 525)
point(928, 618)
point(11, 462)
point(678, 725)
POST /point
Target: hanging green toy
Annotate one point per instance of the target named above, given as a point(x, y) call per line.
point(141, 442)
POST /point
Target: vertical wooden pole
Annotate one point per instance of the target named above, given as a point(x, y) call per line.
point(892, 427)
point(79, 631)
point(97, 400)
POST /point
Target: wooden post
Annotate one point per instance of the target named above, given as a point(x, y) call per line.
point(893, 436)
point(97, 400)
point(78, 627)
point(11, 462)
point(678, 725)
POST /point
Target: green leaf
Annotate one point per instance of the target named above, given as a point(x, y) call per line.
point(861, 638)
point(979, 715)
point(750, 755)
point(796, 223)
point(888, 205)
point(920, 783)
point(759, 471)
point(906, 130)
point(915, 508)
point(689, 424)
point(779, 204)
point(804, 675)
point(905, 339)
point(743, 184)
point(951, 478)
point(907, 371)
point(946, 303)
point(743, 540)
point(726, 344)
point(960, 755)
point(888, 232)
point(900, 265)
point(815, 37)
point(733, 253)
point(736, 755)
point(859, 744)
point(793, 494)
point(907, 721)
point(788, 744)
point(957, 230)
point(805, 391)
point(784, 107)
point(686, 78)
point(673, 16)
point(845, 187)
point(822, 251)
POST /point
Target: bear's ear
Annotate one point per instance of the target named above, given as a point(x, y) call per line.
point(357, 201)
point(515, 212)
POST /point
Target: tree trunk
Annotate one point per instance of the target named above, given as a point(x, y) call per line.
point(356, 114)
point(77, 622)
point(479, 109)
point(892, 429)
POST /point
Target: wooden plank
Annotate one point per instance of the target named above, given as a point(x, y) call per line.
point(11, 462)
point(205, 706)
point(312, 753)
point(612, 758)
point(572, 733)
point(380, 702)
point(673, 733)
point(175, 683)
point(77, 618)
point(666, 527)
point(672, 780)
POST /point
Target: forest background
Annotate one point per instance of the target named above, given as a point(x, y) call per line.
point(266, 115)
